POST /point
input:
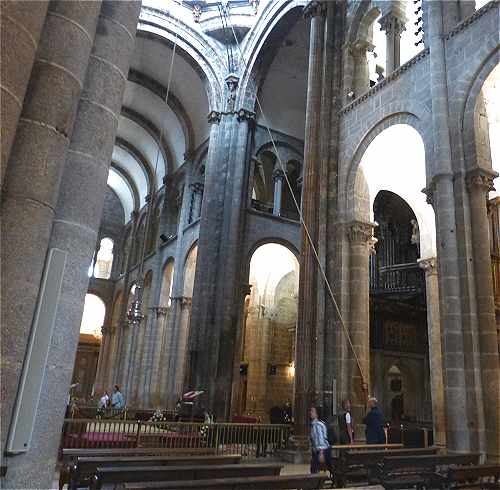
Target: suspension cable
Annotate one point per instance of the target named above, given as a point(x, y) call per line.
point(301, 216)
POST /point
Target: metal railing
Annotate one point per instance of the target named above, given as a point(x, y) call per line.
point(249, 440)
point(397, 278)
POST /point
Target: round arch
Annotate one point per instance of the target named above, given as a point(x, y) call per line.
point(469, 108)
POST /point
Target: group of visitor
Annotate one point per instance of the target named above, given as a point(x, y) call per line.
point(116, 401)
point(322, 440)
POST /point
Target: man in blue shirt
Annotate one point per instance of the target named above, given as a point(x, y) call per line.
point(320, 446)
point(117, 400)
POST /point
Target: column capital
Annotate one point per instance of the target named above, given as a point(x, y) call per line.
point(429, 265)
point(246, 289)
point(246, 115)
point(429, 193)
point(278, 174)
point(214, 117)
point(197, 187)
point(481, 179)
point(360, 232)
point(186, 302)
point(391, 22)
point(314, 9)
point(160, 310)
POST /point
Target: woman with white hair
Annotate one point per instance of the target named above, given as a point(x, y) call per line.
point(374, 421)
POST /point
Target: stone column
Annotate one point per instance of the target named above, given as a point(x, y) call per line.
point(278, 176)
point(479, 182)
point(305, 391)
point(21, 24)
point(361, 76)
point(441, 194)
point(30, 192)
point(77, 217)
point(158, 355)
point(393, 26)
point(103, 361)
point(435, 352)
point(360, 236)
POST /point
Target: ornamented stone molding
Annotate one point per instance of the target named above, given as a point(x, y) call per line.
point(360, 232)
point(429, 265)
point(481, 179)
point(472, 18)
point(392, 23)
point(246, 115)
point(388, 79)
point(214, 117)
point(314, 9)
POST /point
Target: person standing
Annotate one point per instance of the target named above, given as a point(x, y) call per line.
point(374, 421)
point(117, 400)
point(320, 447)
point(346, 424)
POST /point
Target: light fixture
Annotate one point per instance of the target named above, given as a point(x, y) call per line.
point(291, 370)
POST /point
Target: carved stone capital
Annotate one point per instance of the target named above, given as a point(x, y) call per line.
point(391, 23)
point(429, 192)
point(186, 302)
point(360, 232)
point(160, 310)
point(278, 174)
point(246, 115)
point(246, 289)
point(429, 265)
point(214, 117)
point(360, 47)
point(314, 9)
point(197, 187)
point(480, 179)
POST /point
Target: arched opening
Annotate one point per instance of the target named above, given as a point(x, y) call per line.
point(388, 193)
point(167, 283)
point(487, 146)
point(184, 323)
point(87, 354)
point(266, 383)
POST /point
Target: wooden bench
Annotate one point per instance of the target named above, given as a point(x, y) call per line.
point(419, 471)
point(483, 476)
point(302, 482)
point(85, 467)
point(130, 474)
point(357, 466)
point(69, 456)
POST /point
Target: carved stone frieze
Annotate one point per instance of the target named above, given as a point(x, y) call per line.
point(392, 23)
point(214, 117)
point(480, 179)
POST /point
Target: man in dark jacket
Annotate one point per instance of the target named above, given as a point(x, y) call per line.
point(374, 421)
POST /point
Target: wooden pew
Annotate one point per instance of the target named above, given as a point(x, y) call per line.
point(85, 467)
point(69, 455)
point(130, 474)
point(409, 471)
point(302, 482)
point(483, 476)
point(356, 466)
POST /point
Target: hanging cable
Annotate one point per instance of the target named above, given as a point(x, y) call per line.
point(135, 315)
point(304, 225)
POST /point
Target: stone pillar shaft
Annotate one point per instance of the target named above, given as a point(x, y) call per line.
point(21, 24)
point(278, 190)
point(442, 195)
point(31, 188)
point(393, 27)
point(305, 391)
point(435, 350)
point(479, 183)
point(360, 236)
